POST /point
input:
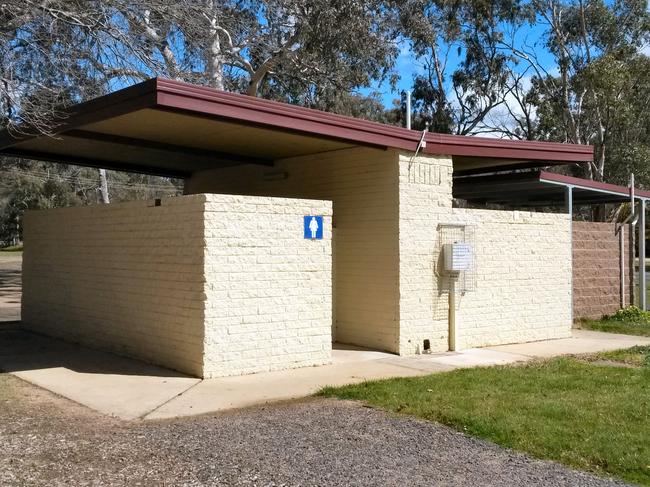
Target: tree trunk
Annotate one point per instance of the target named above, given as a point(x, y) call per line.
point(103, 186)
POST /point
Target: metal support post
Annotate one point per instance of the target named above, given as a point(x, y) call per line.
point(642, 278)
point(568, 202)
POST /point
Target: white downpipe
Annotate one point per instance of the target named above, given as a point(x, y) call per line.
point(632, 237)
point(642, 280)
point(453, 331)
point(621, 249)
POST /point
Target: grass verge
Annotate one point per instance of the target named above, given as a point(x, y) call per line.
point(586, 412)
point(15, 248)
point(629, 321)
point(615, 326)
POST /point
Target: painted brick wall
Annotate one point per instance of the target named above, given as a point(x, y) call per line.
point(424, 202)
point(523, 278)
point(123, 277)
point(269, 295)
point(522, 267)
point(362, 183)
point(210, 285)
point(596, 269)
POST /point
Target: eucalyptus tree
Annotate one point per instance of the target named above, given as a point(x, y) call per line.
point(292, 50)
point(594, 49)
point(57, 52)
point(465, 67)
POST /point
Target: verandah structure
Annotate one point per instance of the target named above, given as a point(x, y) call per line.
point(391, 191)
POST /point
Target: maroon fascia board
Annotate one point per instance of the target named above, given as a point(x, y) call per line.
point(545, 176)
point(171, 95)
point(242, 108)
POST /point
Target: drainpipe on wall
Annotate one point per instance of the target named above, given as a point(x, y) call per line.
point(642, 280)
point(631, 220)
point(452, 315)
point(568, 203)
point(632, 237)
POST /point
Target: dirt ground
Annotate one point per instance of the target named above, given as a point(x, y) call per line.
point(48, 440)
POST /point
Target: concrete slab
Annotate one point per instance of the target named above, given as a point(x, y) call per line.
point(479, 357)
point(113, 385)
point(130, 389)
point(235, 392)
point(581, 341)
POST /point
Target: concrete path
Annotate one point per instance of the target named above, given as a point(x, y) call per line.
point(112, 385)
point(130, 389)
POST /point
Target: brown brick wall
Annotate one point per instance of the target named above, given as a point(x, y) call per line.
point(596, 269)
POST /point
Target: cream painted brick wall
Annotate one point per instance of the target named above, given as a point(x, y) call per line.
point(211, 285)
point(362, 183)
point(424, 202)
point(523, 278)
point(123, 277)
point(269, 294)
point(522, 265)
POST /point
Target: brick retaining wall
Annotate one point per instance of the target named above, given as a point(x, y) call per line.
point(596, 269)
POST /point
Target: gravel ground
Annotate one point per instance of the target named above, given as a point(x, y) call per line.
point(48, 440)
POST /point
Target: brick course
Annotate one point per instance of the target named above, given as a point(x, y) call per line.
point(521, 261)
point(596, 269)
point(210, 285)
point(362, 184)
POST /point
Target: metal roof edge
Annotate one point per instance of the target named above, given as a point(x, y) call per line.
point(162, 93)
point(138, 96)
point(353, 129)
point(545, 176)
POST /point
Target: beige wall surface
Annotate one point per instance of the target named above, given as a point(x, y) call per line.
point(210, 285)
point(362, 184)
point(521, 279)
point(123, 277)
point(268, 289)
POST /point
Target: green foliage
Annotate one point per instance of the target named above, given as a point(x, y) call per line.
point(34, 185)
point(586, 415)
point(458, 101)
point(628, 321)
point(631, 314)
point(12, 248)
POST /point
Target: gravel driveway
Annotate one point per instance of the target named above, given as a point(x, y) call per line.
point(48, 440)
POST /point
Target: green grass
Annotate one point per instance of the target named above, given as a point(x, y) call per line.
point(14, 248)
point(638, 356)
point(615, 326)
point(587, 415)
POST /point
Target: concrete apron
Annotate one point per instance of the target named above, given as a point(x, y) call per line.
point(129, 389)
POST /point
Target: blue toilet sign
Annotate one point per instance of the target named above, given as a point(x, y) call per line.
point(313, 227)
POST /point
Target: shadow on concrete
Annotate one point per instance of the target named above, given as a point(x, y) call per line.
point(23, 350)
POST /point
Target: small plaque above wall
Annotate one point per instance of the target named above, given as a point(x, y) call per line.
point(313, 227)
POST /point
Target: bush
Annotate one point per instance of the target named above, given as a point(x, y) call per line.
point(631, 314)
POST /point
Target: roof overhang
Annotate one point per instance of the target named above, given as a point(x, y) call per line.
point(539, 188)
point(168, 127)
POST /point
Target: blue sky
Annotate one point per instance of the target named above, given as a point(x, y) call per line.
point(407, 65)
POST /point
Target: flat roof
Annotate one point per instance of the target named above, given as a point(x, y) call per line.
point(538, 188)
point(168, 127)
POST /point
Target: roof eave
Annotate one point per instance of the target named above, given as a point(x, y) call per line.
point(163, 94)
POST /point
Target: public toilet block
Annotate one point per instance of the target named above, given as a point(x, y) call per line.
point(297, 228)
